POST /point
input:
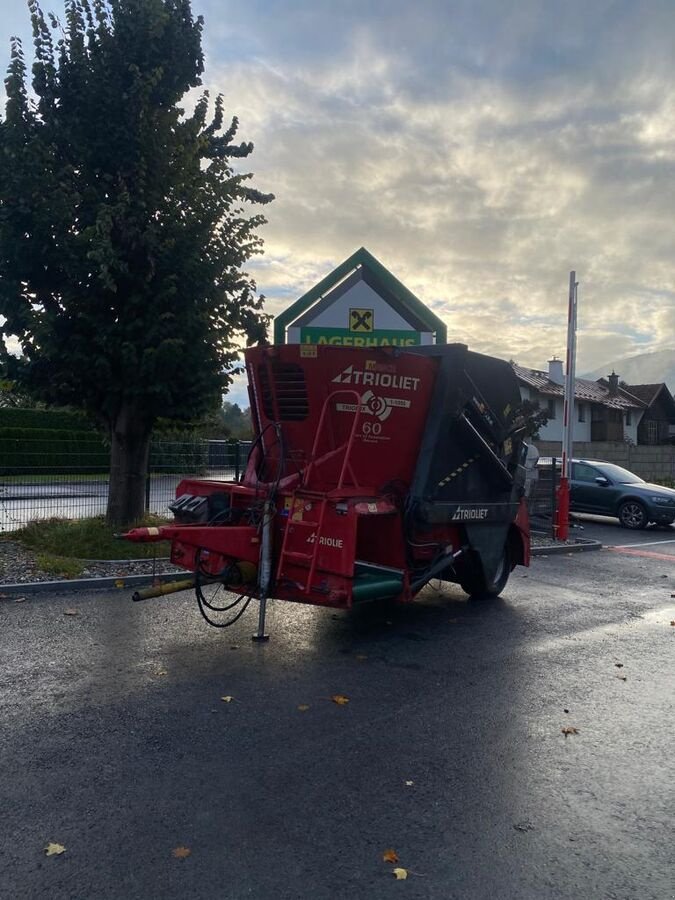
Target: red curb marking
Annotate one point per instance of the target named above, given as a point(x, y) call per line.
point(649, 553)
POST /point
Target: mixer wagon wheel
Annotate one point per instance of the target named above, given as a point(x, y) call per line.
point(476, 583)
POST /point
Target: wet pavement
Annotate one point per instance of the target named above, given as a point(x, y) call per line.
point(115, 743)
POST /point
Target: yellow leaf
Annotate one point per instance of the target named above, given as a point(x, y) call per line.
point(70, 612)
point(227, 699)
point(569, 729)
point(340, 699)
point(400, 874)
point(180, 852)
point(390, 856)
point(119, 583)
point(303, 707)
point(54, 849)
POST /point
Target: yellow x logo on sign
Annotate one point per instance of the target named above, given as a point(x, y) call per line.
point(361, 320)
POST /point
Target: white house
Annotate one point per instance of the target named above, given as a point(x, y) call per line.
point(603, 410)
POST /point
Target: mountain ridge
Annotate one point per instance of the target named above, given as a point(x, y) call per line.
point(645, 368)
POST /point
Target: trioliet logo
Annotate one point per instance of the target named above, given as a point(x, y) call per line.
point(350, 375)
point(463, 514)
point(337, 543)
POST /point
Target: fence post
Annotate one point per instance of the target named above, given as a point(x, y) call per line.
point(237, 448)
point(147, 490)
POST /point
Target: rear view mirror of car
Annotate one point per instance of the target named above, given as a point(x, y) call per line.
point(601, 480)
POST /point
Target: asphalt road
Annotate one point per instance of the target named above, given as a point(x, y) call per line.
point(115, 743)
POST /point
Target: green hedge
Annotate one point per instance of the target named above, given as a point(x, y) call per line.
point(58, 419)
point(38, 450)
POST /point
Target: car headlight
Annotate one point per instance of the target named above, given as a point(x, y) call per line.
point(662, 501)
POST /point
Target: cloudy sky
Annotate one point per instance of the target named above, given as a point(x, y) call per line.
point(479, 148)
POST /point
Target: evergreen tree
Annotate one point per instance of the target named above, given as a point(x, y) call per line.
point(123, 227)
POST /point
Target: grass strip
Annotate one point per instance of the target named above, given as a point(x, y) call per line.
point(69, 539)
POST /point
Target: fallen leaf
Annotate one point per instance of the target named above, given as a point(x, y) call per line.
point(409, 783)
point(340, 699)
point(19, 599)
point(453, 621)
point(303, 707)
point(672, 621)
point(161, 672)
point(621, 677)
point(180, 852)
point(390, 856)
point(619, 665)
point(71, 612)
point(569, 729)
point(360, 657)
point(54, 849)
point(524, 826)
point(400, 874)
point(565, 710)
point(119, 583)
point(227, 699)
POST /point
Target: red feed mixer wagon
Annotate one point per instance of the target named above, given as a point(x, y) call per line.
point(372, 471)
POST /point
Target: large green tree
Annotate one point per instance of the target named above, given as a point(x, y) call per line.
point(123, 226)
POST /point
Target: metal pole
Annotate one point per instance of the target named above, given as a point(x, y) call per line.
point(554, 490)
point(568, 414)
point(265, 570)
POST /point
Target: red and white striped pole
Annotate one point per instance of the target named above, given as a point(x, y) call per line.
point(563, 511)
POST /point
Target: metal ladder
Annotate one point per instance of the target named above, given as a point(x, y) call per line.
point(305, 493)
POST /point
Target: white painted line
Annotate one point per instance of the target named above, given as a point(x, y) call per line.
point(646, 544)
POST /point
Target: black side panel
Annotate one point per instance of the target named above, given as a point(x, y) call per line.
point(468, 459)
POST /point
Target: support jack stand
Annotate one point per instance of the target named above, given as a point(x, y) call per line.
point(260, 637)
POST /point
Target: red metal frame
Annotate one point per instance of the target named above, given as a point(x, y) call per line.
point(339, 521)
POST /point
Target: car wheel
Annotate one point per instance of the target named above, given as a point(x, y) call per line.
point(632, 514)
point(477, 584)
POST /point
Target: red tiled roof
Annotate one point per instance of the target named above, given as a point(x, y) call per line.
point(590, 391)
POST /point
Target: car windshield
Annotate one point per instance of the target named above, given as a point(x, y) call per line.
point(622, 476)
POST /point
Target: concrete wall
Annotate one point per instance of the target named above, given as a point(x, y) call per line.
point(649, 462)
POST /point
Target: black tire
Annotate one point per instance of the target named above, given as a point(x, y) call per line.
point(633, 515)
point(477, 584)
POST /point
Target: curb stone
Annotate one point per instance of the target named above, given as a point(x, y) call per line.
point(579, 547)
point(89, 584)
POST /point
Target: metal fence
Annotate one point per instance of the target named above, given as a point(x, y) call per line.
point(542, 499)
point(42, 480)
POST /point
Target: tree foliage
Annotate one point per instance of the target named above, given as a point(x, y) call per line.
point(123, 225)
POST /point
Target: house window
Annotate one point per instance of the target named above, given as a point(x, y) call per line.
point(551, 407)
point(582, 412)
point(629, 417)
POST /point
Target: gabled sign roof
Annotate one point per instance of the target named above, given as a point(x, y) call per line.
point(360, 266)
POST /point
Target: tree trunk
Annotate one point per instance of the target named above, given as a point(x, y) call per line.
point(129, 453)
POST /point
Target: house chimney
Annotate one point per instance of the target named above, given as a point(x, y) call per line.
point(555, 371)
point(613, 380)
